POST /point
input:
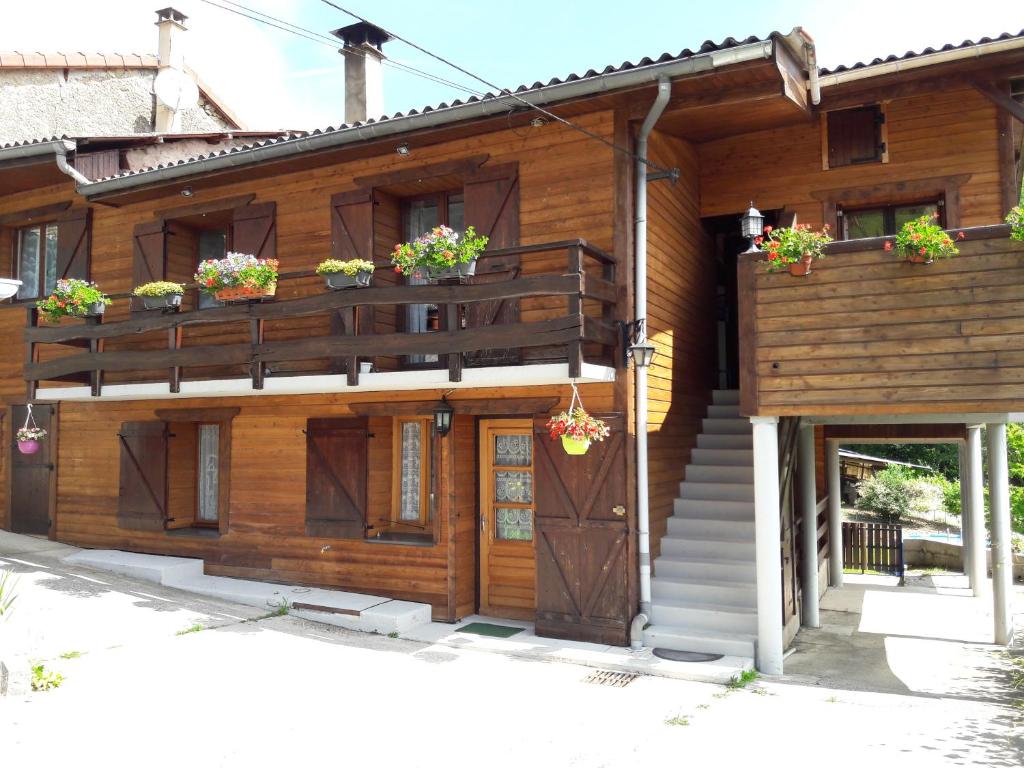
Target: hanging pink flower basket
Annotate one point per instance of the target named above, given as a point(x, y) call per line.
point(28, 446)
point(28, 437)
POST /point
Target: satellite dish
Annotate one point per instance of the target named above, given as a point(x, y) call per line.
point(175, 90)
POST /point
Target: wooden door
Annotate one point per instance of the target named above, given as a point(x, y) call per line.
point(32, 474)
point(583, 539)
point(507, 545)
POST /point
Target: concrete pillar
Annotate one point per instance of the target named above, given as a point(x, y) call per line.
point(965, 511)
point(1002, 560)
point(809, 533)
point(976, 518)
point(767, 550)
point(835, 515)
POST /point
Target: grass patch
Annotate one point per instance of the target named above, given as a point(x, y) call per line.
point(392, 634)
point(189, 630)
point(678, 720)
point(742, 680)
point(43, 680)
point(71, 655)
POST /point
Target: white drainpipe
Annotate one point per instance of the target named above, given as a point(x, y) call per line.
point(640, 313)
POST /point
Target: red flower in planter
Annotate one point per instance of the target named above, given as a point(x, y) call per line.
point(888, 245)
point(960, 235)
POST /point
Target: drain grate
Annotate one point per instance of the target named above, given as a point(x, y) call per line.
point(610, 679)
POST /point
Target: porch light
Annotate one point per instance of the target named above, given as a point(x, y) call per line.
point(635, 346)
point(402, 149)
point(642, 354)
point(443, 417)
point(752, 226)
point(8, 287)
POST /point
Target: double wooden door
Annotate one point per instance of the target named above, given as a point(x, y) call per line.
point(32, 474)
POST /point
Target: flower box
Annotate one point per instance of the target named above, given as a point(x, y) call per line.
point(338, 281)
point(245, 292)
point(73, 298)
point(238, 277)
point(170, 301)
point(442, 254)
point(459, 271)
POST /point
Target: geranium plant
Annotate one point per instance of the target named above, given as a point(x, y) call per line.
point(922, 240)
point(1015, 219)
point(26, 434)
point(350, 267)
point(72, 298)
point(577, 429)
point(236, 270)
point(440, 249)
point(796, 245)
point(159, 288)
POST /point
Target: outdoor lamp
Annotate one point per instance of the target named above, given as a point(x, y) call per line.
point(443, 417)
point(752, 226)
point(642, 354)
point(8, 287)
point(634, 346)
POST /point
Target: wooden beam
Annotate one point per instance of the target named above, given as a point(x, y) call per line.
point(999, 94)
point(1009, 186)
point(196, 414)
point(195, 209)
point(498, 406)
point(33, 214)
point(461, 166)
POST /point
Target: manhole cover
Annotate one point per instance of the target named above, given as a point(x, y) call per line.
point(669, 655)
point(612, 679)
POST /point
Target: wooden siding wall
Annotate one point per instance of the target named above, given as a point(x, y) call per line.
point(935, 135)
point(875, 334)
point(680, 323)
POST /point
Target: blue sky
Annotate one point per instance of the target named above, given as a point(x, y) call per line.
point(274, 79)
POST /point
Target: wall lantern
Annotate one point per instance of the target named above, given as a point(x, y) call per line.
point(635, 346)
point(752, 226)
point(402, 149)
point(8, 287)
point(443, 417)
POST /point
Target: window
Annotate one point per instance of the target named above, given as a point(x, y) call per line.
point(212, 244)
point(412, 496)
point(36, 260)
point(855, 136)
point(420, 215)
point(208, 474)
point(882, 220)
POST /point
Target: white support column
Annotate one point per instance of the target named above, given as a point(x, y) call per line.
point(767, 550)
point(835, 515)
point(809, 533)
point(965, 512)
point(976, 519)
point(1002, 561)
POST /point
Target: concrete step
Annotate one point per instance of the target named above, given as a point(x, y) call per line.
point(718, 457)
point(699, 529)
point(699, 591)
point(689, 639)
point(710, 509)
point(692, 489)
point(724, 411)
point(730, 549)
point(710, 617)
point(712, 569)
point(169, 571)
point(745, 441)
point(726, 427)
point(726, 397)
point(706, 473)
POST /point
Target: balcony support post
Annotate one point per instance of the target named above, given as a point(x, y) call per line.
point(348, 320)
point(259, 368)
point(174, 372)
point(575, 347)
point(95, 346)
point(450, 322)
point(30, 355)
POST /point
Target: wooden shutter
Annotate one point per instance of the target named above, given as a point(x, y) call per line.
point(584, 567)
point(99, 165)
point(352, 225)
point(854, 136)
point(142, 499)
point(336, 478)
point(254, 230)
point(74, 235)
point(492, 207)
point(149, 252)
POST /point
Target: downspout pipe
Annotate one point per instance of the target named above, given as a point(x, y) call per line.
point(63, 166)
point(643, 512)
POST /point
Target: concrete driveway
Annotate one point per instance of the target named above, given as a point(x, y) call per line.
point(254, 690)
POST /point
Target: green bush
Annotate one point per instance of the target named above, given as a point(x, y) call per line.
point(950, 494)
point(888, 493)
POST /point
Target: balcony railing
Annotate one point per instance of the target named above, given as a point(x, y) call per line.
point(570, 329)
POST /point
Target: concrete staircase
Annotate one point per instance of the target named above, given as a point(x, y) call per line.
point(703, 591)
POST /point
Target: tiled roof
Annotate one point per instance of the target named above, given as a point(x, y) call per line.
point(29, 142)
point(36, 60)
point(914, 54)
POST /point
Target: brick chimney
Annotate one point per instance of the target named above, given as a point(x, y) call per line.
point(171, 26)
point(364, 82)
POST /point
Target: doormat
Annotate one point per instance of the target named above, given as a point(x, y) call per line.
point(489, 630)
point(669, 655)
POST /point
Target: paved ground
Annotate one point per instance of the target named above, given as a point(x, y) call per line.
point(276, 690)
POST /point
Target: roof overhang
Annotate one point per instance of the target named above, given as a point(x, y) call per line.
point(40, 164)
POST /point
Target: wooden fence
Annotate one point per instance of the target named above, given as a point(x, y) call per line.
point(873, 547)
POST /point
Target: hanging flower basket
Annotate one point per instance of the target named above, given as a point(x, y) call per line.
point(238, 277)
point(922, 240)
point(442, 254)
point(576, 428)
point(28, 436)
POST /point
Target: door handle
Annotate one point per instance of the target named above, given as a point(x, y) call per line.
point(483, 522)
point(619, 510)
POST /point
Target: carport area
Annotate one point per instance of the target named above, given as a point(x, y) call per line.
point(931, 637)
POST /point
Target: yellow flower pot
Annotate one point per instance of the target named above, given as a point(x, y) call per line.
point(575, 446)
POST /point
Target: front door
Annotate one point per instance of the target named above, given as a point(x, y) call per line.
point(31, 474)
point(507, 562)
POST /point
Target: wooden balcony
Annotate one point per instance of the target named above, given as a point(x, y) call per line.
point(868, 333)
point(583, 324)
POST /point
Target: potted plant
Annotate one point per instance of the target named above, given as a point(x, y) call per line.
point(73, 298)
point(238, 277)
point(794, 248)
point(354, 273)
point(577, 429)
point(28, 438)
point(441, 254)
point(160, 295)
point(1015, 218)
point(922, 240)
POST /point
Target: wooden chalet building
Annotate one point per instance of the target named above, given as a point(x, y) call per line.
point(293, 440)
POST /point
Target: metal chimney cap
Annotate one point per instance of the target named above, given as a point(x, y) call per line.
point(170, 14)
point(362, 33)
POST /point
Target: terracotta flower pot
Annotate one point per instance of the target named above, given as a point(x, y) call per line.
point(917, 258)
point(575, 446)
point(802, 267)
point(245, 293)
point(28, 446)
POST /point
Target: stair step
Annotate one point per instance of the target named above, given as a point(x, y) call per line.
point(720, 570)
point(724, 411)
point(701, 528)
point(692, 489)
point(745, 441)
point(711, 617)
point(710, 509)
point(698, 591)
point(706, 473)
point(730, 549)
point(718, 457)
point(726, 397)
point(689, 639)
point(726, 426)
